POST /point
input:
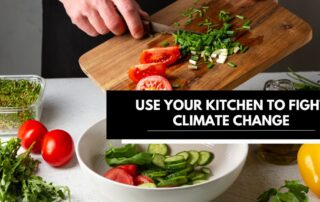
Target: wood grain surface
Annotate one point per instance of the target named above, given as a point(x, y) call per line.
point(275, 33)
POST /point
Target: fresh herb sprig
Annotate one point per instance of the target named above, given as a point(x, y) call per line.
point(292, 191)
point(18, 181)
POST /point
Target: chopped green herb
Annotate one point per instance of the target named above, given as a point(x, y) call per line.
point(225, 16)
point(165, 44)
point(240, 17)
point(177, 24)
point(231, 64)
point(210, 65)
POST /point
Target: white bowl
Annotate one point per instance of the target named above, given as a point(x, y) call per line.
point(226, 167)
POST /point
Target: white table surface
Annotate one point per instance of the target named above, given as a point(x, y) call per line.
point(76, 104)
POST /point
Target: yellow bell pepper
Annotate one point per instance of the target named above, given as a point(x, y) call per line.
point(309, 166)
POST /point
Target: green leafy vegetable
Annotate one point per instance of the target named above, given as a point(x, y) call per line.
point(302, 83)
point(292, 191)
point(142, 158)
point(18, 181)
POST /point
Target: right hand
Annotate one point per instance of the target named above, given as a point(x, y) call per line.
point(96, 17)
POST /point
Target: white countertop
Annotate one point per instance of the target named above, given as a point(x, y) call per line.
point(76, 104)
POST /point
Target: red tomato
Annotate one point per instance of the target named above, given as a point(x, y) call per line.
point(119, 175)
point(57, 148)
point(154, 83)
point(141, 179)
point(138, 72)
point(130, 168)
point(32, 131)
point(165, 55)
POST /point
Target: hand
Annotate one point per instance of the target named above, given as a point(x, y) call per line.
point(96, 17)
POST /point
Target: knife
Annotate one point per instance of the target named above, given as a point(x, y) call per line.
point(155, 27)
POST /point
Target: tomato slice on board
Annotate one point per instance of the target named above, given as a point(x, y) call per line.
point(154, 83)
point(165, 55)
point(119, 175)
point(138, 72)
point(130, 168)
point(142, 179)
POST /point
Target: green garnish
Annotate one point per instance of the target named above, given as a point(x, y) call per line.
point(19, 94)
point(165, 44)
point(292, 191)
point(177, 24)
point(240, 17)
point(225, 16)
point(210, 65)
point(231, 64)
point(18, 179)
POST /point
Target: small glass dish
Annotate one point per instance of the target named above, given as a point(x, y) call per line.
point(12, 117)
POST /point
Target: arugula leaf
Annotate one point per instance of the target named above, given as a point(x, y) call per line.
point(292, 191)
point(18, 181)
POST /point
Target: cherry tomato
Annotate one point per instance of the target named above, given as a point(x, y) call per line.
point(57, 148)
point(119, 175)
point(32, 131)
point(130, 168)
point(165, 55)
point(138, 72)
point(142, 179)
point(154, 83)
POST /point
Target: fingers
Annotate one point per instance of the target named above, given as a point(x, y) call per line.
point(111, 18)
point(97, 22)
point(130, 13)
point(84, 24)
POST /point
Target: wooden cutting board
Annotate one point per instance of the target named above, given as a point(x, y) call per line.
point(275, 33)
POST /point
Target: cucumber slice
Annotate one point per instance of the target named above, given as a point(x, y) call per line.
point(173, 182)
point(174, 159)
point(198, 175)
point(176, 166)
point(155, 173)
point(183, 172)
point(162, 149)
point(206, 170)
point(198, 181)
point(205, 158)
point(184, 154)
point(158, 160)
point(148, 185)
point(193, 157)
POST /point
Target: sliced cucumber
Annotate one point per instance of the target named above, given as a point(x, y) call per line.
point(193, 157)
point(173, 182)
point(174, 159)
point(155, 173)
point(206, 170)
point(162, 149)
point(197, 175)
point(183, 172)
point(158, 160)
point(206, 158)
point(184, 154)
point(148, 185)
point(198, 181)
point(176, 167)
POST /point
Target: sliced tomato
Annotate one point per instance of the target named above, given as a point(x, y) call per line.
point(154, 83)
point(119, 175)
point(165, 55)
point(142, 179)
point(138, 72)
point(130, 168)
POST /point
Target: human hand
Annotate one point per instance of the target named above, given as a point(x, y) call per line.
point(96, 17)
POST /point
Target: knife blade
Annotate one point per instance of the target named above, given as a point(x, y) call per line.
point(155, 27)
